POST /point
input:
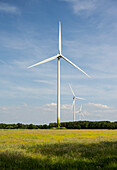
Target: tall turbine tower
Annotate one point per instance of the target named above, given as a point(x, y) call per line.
point(74, 99)
point(58, 56)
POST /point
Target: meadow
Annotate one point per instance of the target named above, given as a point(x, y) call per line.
point(57, 149)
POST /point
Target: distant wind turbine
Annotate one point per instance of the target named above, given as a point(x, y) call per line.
point(74, 99)
point(58, 56)
point(80, 113)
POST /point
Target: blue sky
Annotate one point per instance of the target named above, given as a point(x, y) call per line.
point(29, 34)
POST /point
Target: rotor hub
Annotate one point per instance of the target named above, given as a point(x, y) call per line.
point(59, 55)
point(74, 97)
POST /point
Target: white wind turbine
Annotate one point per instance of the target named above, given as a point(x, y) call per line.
point(58, 56)
point(80, 113)
point(74, 99)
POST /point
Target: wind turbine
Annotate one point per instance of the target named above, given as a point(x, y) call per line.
point(80, 112)
point(58, 56)
point(74, 99)
point(83, 113)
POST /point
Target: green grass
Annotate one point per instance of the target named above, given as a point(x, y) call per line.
point(58, 149)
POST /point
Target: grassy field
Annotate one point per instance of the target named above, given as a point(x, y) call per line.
point(58, 149)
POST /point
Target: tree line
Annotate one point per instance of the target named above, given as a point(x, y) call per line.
point(67, 125)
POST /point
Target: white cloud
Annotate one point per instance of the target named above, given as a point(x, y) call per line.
point(99, 105)
point(45, 82)
point(51, 104)
point(82, 5)
point(66, 106)
point(47, 113)
point(25, 114)
point(106, 111)
point(5, 7)
point(63, 106)
point(16, 42)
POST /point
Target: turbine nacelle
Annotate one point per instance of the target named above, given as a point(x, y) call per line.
point(59, 56)
point(74, 97)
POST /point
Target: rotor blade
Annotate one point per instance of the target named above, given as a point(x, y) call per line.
point(71, 90)
point(44, 61)
point(82, 114)
point(59, 37)
point(80, 108)
point(75, 66)
point(80, 98)
point(73, 103)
